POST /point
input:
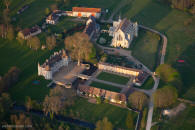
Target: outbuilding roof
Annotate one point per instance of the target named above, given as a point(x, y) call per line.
point(84, 9)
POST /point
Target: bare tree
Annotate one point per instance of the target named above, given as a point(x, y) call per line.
point(79, 46)
point(56, 101)
point(104, 124)
point(22, 119)
point(51, 42)
point(7, 3)
point(138, 100)
point(34, 42)
point(28, 103)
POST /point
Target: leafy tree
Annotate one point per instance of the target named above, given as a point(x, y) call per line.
point(3, 31)
point(165, 96)
point(138, 99)
point(22, 119)
point(167, 73)
point(10, 33)
point(129, 121)
point(79, 46)
point(6, 17)
point(51, 42)
point(28, 103)
point(10, 78)
point(98, 100)
point(47, 11)
point(34, 42)
point(5, 105)
point(54, 7)
point(104, 124)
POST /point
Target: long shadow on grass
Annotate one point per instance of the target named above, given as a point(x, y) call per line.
point(186, 69)
point(151, 14)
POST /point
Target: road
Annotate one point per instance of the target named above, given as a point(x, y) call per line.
point(163, 52)
point(156, 80)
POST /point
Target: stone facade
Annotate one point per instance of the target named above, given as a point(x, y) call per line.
point(53, 64)
point(118, 69)
point(140, 76)
point(123, 32)
point(90, 91)
point(29, 32)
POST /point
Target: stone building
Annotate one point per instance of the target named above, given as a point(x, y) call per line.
point(90, 91)
point(92, 28)
point(139, 75)
point(123, 32)
point(53, 64)
point(29, 32)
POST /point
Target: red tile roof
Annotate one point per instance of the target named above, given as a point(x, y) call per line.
point(83, 9)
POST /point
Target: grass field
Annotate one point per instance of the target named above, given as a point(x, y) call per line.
point(169, 21)
point(64, 24)
point(14, 54)
point(113, 78)
point(105, 86)
point(145, 48)
point(94, 112)
point(35, 14)
point(183, 121)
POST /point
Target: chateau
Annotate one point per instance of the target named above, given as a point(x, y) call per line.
point(123, 32)
point(53, 64)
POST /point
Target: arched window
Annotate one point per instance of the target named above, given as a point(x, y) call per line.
point(119, 38)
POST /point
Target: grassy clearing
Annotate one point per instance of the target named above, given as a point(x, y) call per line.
point(64, 24)
point(14, 54)
point(145, 48)
point(35, 14)
point(113, 78)
point(84, 110)
point(105, 86)
point(169, 21)
point(183, 121)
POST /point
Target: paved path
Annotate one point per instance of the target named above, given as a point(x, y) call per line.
point(156, 80)
point(163, 52)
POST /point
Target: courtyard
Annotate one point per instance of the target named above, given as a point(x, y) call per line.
point(113, 78)
point(68, 73)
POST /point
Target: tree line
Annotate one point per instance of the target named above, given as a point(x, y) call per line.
point(9, 79)
point(185, 5)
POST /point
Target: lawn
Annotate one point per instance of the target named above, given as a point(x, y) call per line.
point(183, 121)
point(149, 83)
point(105, 86)
point(169, 21)
point(145, 48)
point(64, 24)
point(35, 14)
point(84, 110)
point(14, 54)
point(113, 78)
point(119, 60)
